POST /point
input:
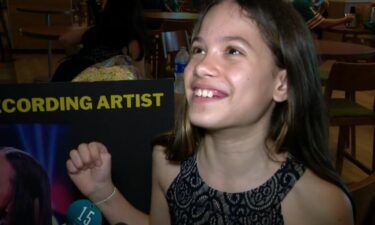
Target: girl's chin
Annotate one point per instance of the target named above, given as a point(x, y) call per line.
point(204, 123)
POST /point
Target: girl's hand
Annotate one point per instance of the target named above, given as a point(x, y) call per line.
point(89, 167)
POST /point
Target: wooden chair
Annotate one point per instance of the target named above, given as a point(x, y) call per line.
point(171, 41)
point(5, 45)
point(346, 113)
point(363, 193)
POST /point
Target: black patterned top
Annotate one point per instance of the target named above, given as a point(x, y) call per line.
point(192, 201)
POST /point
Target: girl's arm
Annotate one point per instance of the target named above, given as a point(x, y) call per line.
point(117, 209)
point(163, 173)
point(89, 167)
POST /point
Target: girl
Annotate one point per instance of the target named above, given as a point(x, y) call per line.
point(251, 146)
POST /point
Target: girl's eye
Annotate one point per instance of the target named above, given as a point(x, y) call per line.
point(233, 51)
point(197, 50)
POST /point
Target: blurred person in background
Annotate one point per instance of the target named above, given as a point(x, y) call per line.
point(321, 6)
point(120, 29)
point(311, 13)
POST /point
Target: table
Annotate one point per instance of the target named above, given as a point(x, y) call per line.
point(344, 51)
point(355, 31)
point(47, 10)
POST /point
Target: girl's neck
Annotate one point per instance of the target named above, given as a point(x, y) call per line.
point(237, 163)
point(234, 153)
point(249, 146)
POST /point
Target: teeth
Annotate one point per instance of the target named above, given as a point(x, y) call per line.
point(204, 93)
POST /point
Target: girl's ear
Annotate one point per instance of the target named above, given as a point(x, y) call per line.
point(280, 92)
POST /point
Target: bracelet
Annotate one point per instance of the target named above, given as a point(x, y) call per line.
point(107, 198)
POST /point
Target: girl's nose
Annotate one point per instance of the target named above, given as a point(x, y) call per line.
point(207, 65)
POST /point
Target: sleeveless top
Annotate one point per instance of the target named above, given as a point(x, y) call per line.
point(192, 201)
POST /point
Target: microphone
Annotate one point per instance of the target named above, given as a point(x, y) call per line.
point(83, 212)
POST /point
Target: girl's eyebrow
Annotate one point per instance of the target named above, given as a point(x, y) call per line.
point(239, 39)
point(196, 39)
point(227, 39)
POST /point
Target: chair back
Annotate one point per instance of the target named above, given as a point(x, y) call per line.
point(350, 77)
point(347, 76)
point(363, 193)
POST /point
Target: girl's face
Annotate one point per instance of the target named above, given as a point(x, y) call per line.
point(231, 79)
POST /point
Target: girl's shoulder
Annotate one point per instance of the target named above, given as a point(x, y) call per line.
point(164, 170)
point(314, 200)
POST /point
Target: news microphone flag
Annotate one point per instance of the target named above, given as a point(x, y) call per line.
point(84, 212)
